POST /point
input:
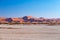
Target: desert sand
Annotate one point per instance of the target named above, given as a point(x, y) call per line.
point(29, 32)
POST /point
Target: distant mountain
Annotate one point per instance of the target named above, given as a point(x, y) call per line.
point(29, 19)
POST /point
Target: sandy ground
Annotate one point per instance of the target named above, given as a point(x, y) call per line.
point(30, 32)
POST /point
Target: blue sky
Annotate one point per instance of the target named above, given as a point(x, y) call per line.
point(36, 8)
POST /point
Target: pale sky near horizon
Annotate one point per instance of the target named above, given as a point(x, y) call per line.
point(35, 8)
